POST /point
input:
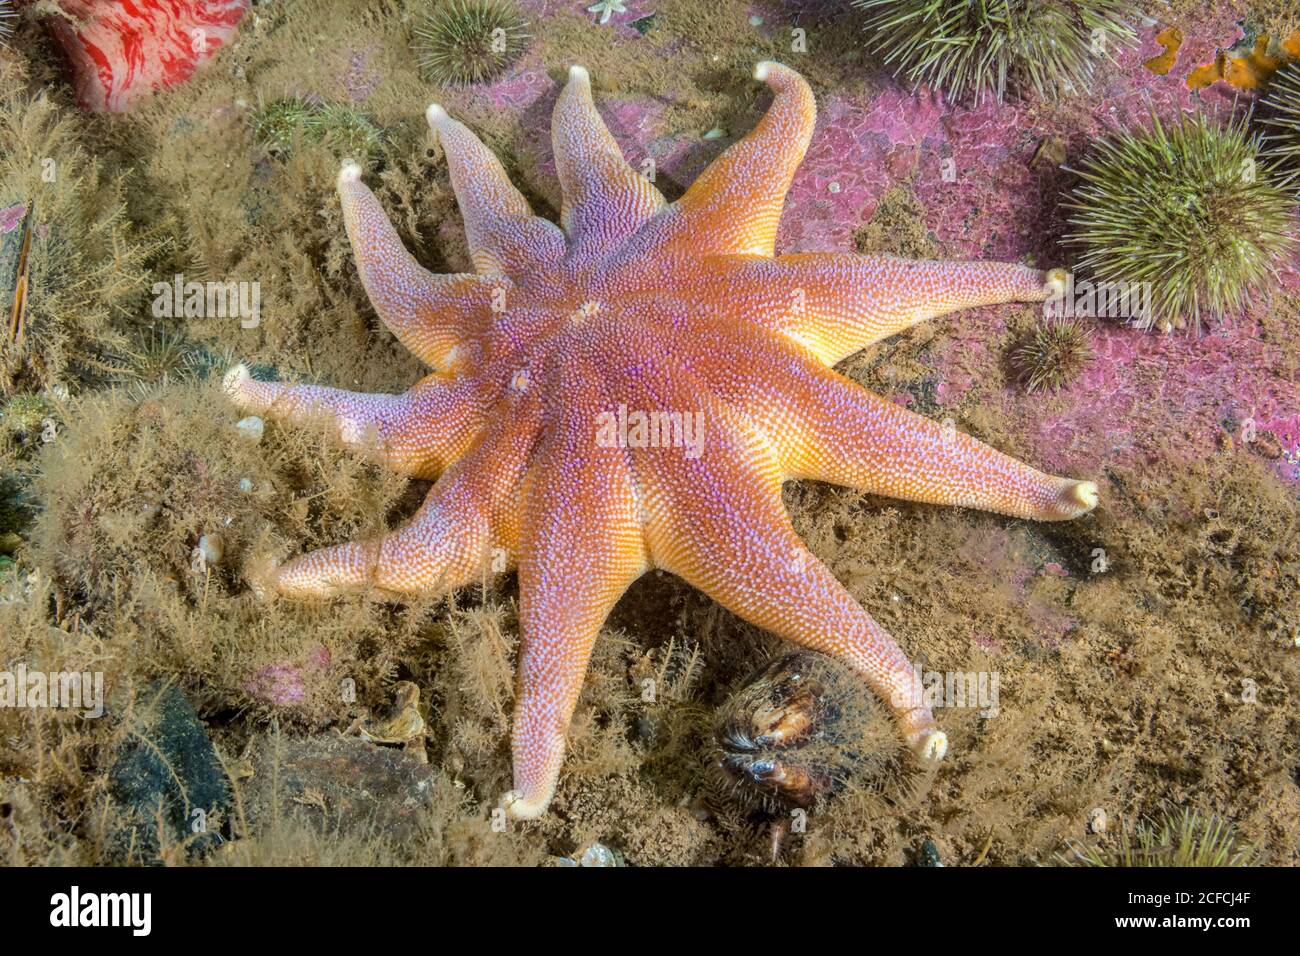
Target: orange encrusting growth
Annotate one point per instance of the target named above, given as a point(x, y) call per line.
point(630, 393)
point(1249, 72)
point(1171, 38)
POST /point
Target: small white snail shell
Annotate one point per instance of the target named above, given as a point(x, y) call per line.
point(251, 428)
point(210, 549)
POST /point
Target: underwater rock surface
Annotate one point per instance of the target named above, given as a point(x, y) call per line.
point(167, 783)
point(341, 783)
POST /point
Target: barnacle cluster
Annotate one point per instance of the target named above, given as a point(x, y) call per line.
point(797, 730)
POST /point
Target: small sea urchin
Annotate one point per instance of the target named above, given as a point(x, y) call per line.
point(1182, 838)
point(972, 49)
point(1053, 354)
point(349, 134)
point(22, 417)
point(469, 41)
point(277, 124)
point(1188, 213)
point(155, 359)
point(345, 132)
point(1282, 116)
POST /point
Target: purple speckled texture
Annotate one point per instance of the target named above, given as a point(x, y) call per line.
point(361, 77)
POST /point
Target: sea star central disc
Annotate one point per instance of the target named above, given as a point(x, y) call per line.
point(629, 390)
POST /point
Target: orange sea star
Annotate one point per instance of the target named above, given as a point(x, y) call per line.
point(630, 391)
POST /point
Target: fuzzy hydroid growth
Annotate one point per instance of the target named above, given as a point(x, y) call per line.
point(1190, 208)
point(88, 261)
point(972, 49)
point(469, 41)
point(1282, 109)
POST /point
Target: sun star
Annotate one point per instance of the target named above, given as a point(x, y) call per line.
point(628, 391)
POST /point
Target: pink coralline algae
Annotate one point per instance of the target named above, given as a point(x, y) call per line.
point(284, 683)
point(12, 217)
point(1012, 560)
point(120, 52)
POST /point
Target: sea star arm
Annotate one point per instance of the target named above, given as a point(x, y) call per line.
point(836, 304)
point(850, 436)
point(419, 432)
point(735, 542)
point(470, 513)
point(735, 204)
point(604, 199)
point(580, 551)
point(433, 316)
point(504, 236)
point(823, 426)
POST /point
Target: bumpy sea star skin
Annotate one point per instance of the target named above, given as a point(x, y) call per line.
point(638, 305)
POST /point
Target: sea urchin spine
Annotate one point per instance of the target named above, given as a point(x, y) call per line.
point(7, 17)
point(1282, 109)
point(972, 49)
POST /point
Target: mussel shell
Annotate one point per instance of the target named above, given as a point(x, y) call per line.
point(778, 735)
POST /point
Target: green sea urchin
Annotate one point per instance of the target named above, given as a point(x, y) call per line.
point(23, 415)
point(1183, 838)
point(349, 134)
point(1053, 354)
point(277, 124)
point(1282, 116)
point(972, 49)
point(1188, 212)
point(345, 132)
point(155, 359)
point(468, 41)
